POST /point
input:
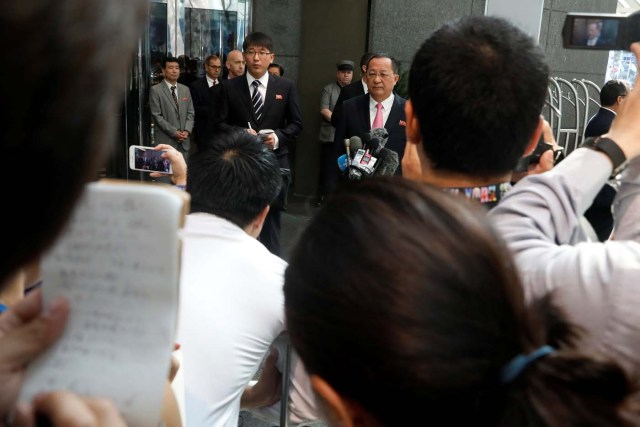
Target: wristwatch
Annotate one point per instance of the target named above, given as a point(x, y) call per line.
point(611, 149)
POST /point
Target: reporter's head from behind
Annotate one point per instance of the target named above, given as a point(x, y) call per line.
point(236, 178)
point(59, 124)
point(400, 297)
point(477, 87)
point(58, 129)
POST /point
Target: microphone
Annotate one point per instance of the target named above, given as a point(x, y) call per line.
point(374, 146)
point(381, 136)
point(370, 157)
point(343, 163)
point(356, 144)
point(346, 146)
point(388, 163)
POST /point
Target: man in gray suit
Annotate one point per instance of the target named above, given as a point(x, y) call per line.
point(172, 108)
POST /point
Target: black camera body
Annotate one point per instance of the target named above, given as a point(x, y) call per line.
point(534, 157)
point(598, 31)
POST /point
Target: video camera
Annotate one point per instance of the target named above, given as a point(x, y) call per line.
point(597, 31)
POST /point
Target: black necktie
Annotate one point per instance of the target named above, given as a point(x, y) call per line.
point(175, 98)
point(256, 100)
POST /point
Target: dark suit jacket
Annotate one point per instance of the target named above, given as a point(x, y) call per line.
point(349, 91)
point(232, 108)
point(599, 213)
point(600, 123)
point(356, 121)
point(200, 95)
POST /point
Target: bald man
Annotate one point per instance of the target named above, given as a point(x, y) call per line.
point(235, 64)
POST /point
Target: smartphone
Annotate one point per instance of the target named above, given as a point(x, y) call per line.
point(146, 159)
point(598, 31)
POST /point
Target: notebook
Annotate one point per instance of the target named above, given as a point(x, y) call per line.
point(118, 264)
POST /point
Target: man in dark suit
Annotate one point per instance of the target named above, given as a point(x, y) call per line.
point(612, 96)
point(352, 90)
point(259, 101)
point(200, 94)
point(599, 213)
point(380, 108)
point(594, 35)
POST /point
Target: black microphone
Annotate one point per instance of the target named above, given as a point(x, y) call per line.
point(374, 145)
point(387, 164)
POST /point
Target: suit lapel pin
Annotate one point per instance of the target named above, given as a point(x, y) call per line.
point(403, 123)
point(278, 96)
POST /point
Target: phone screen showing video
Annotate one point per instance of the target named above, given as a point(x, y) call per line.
point(151, 160)
point(597, 33)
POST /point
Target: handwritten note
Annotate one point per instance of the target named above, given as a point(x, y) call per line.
point(118, 264)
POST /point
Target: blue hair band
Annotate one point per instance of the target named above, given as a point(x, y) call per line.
point(519, 363)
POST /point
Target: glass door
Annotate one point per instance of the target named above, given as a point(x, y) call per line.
point(189, 30)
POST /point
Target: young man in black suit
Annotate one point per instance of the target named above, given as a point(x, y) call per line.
point(360, 114)
point(259, 101)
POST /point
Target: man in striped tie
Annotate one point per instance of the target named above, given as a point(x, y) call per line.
point(258, 102)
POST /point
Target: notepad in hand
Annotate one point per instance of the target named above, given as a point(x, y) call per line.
point(118, 265)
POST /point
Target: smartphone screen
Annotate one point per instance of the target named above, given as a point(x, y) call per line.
point(148, 160)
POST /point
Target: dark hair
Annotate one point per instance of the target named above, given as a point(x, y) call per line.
point(364, 59)
point(171, 59)
point(611, 91)
point(234, 178)
point(62, 111)
point(394, 63)
point(280, 67)
point(258, 39)
point(210, 57)
point(478, 86)
point(401, 296)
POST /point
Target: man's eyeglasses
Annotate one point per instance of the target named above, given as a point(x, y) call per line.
point(381, 74)
point(215, 67)
point(261, 54)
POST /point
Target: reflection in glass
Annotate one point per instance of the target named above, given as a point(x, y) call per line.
point(157, 39)
point(209, 32)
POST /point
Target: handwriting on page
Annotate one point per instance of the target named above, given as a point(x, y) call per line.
point(117, 266)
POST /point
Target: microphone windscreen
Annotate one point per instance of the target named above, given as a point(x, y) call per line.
point(388, 163)
point(342, 163)
point(355, 144)
point(381, 135)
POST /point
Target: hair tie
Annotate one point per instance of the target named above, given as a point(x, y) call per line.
point(519, 363)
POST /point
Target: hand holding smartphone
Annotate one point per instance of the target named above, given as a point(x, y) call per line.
point(146, 159)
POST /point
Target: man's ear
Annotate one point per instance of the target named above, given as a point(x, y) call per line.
point(413, 126)
point(535, 138)
point(335, 408)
